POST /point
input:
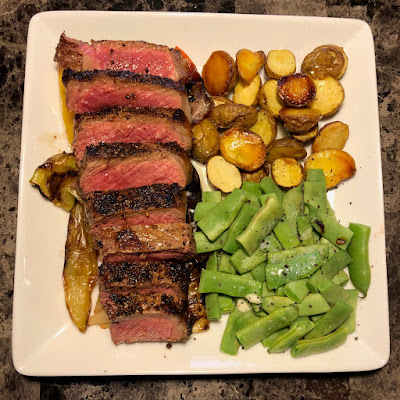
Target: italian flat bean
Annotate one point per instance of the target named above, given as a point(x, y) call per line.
point(284, 233)
point(296, 290)
point(204, 245)
point(341, 278)
point(214, 196)
point(202, 209)
point(352, 300)
point(229, 343)
point(313, 304)
point(268, 186)
point(271, 338)
point(332, 292)
point(225, 265)
point(212, 299)
point(273, 303)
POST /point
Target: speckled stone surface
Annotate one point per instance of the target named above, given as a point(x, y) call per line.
point(383, 17)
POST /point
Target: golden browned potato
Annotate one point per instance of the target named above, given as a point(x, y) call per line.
point(269, 99)
point(329, 97)
point(331, 136)
point(243, 148)
point(299, 120)
point(326, 60)
point(248, 64)
point(218, 100)
point(287, 172)
point(306, 136)
point(232, 114)
point(296, 90)
point(285, 147)
point(223, 175)
point(336, 164)
point(80, 267)
point(247, 94)
point(205, 140)
point(257, 175)
point(265, 127)
point(219, 73)
point(280, 63)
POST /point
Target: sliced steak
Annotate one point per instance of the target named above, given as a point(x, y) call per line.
point(145, 205)
point(145, 276)
point(89, 91)
point(137, 317)
point(141, 242)
point(137, 56)
point(131, 125)
point(116, 166)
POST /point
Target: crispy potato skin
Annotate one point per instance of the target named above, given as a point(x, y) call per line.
point(269, 99)
point(265, 127)
point(205, 140)
point(287, 172)
point(336, 164)
point(243, 148)
point(248, 64)
point(326, 60)
point(223, 175)
point(296, 90)
point(219, 73)
point(279, 63)
point(299, 120)
point(285, 147)
point(329, 97)
point(247, 94)
point(232, 114)
point(331, 136)
point(306, 136)
point(257, 175)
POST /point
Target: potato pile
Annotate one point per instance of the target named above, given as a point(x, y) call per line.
point(237, 139)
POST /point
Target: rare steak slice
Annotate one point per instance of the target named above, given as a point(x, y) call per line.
point(138, 317)
point(131, 125)
point(89, 91)
point(141, 242)
point(145, 276)
point(145, 205)
point(115, 166)
point(137, 56)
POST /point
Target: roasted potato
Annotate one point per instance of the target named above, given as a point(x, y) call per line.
point(223, 175)
point(218, 100)
point(331, 136)
point(243, 148)
point(329, 97)
point(326, 60)
point(296, 90)
point(279, 63)
point(232, 114)
point(99, 317)
point(336, 164)
point(80, 267)
point(205, 140)
point(219, 73)
point(285, 147)
point(287, 172)
point(247, 94)
point(257, 175)
point(265, 127)
point(306, 136)
point(299, 120)
point(248, 64)
point(269, 99)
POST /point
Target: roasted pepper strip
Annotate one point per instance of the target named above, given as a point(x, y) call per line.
point(80, 267)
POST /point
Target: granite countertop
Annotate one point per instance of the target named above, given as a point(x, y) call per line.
point(383, 18)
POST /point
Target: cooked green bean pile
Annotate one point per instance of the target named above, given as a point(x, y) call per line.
point(277, 266)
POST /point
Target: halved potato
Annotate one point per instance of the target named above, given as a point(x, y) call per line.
point(247, 94)
point(306, 136)
point(287, 172)
point(269, 99)
point(326, 60)
point(205, 140)
point(218, 100)
point(219, 73)
point(223, 175)
point(243, 148)
point(299, 120)
point(279, 63)
point(296, 90)
point(248, 63)
point(257, 175)
point(329, 97)
point(232, 114)
point(331, 136)
point(336, 164)
point(265, 127)
point(285, 147)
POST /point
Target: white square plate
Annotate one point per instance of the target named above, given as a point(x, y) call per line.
point(45, 342)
